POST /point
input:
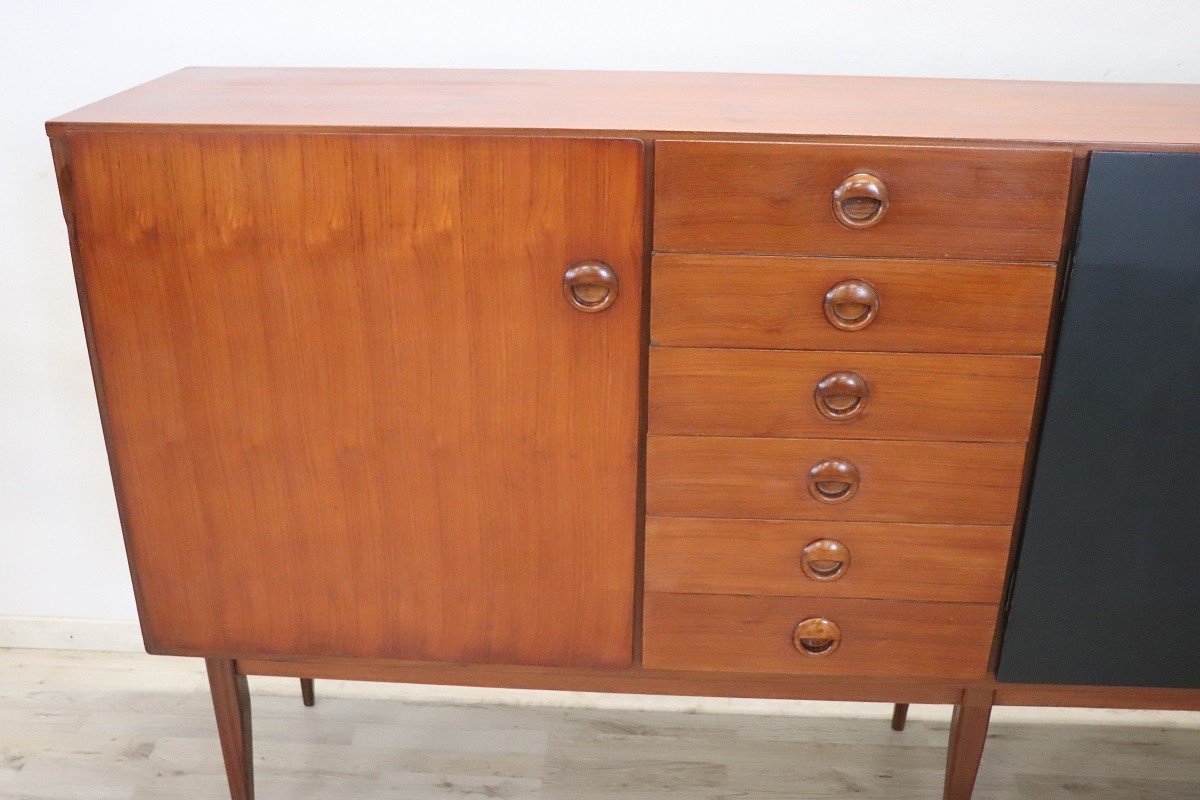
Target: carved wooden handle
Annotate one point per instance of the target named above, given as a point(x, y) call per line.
point(833, 481)
point(860, 201)
point(841, 395)
point(590, 286)
point(825, 560)
point(851, 305)
point(817, 636)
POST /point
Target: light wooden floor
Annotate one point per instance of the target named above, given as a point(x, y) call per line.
point(100, 726)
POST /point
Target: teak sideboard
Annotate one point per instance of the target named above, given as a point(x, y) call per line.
point(756, 386)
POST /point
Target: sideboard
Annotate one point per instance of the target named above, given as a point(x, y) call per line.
point(756, 386)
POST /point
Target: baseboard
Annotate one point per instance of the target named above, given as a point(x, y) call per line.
point(66, 633)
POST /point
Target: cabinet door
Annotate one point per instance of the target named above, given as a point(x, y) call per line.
point(349, 407)
point(1107, 588)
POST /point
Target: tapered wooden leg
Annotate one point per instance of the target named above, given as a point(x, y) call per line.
point(899, 716)
point(231, 701)
point(968, 733)
point(306, 691)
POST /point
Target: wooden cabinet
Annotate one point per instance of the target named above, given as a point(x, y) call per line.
point(645, 383)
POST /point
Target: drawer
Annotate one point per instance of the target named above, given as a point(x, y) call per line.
point(923, 306)
point(912, 202)
point(869, 481)
point(882, 560)
point(876, 638)
point(841, 394)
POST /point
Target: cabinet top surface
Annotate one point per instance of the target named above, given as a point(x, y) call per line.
point(654, 102)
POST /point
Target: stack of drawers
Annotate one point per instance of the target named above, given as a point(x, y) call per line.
point(845, 350)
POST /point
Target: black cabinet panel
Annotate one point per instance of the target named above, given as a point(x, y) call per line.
point(1107, 587)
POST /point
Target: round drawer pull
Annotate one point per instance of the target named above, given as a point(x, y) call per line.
point(817, 636)
point(851, 305)
point(833, 481)
point(860, 201)
point(590, 286)
point(825, 560)
point(841, 395)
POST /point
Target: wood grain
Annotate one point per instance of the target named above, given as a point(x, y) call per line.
point(925, 306)
point(1036, 694)
point(776, 198)
point(639, 680)
point(346, 395)
point(879, 638)
point(1146, 115)
point(231, 702)
point(707, 476)
point(816, 636)
point(888, 561)
point(968, 734)
point(636, 680)
point(769, 393)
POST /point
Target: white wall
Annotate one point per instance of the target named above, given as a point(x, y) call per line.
point(60, 546)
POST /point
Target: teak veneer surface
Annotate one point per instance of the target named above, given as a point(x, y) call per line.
point(769, 393)
point(1156, 115)
point(1033, 694)
point(346, 401)
point(1000, 204)
point(704, 300)
point(887, 560)
point(639, 680)
point(878, 638)
point(941, 482)
point(634, 680)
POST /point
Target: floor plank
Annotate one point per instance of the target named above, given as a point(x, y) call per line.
point(111, 726)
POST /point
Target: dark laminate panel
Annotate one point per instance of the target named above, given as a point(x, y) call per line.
point(1108, 584)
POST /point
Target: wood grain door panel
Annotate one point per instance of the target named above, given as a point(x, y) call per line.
point(349, 410)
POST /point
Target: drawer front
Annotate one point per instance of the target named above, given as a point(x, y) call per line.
point(776, 393)
point(923, 306)
point(871, 481)
point(755, 634)
point(890, 561)
point(938, 202)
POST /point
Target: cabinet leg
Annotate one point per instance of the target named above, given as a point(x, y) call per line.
point(968, 732)
point(899, 716)
point(307, 692)
point(231, 702)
